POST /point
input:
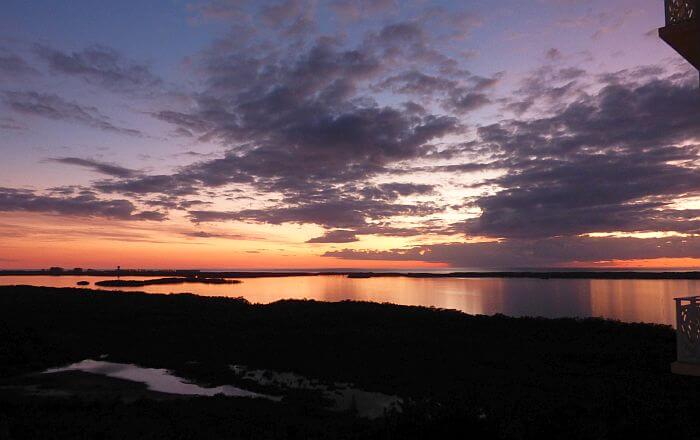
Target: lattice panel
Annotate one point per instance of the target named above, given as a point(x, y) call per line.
point(689, 333)
point(681, 11)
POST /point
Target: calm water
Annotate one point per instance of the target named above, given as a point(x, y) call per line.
point(624, 300)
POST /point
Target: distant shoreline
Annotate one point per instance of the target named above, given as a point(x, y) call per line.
point(164, 281)
point(606, 275)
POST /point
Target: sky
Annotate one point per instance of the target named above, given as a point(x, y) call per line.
point(319, 134)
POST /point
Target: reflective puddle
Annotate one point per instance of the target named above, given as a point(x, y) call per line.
point(343, 396)
point(156, 379)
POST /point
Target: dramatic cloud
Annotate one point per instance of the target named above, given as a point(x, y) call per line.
point(102, 66)
point(203, 234)
point(336, 236)
point(54, 107)
point(84, 204)
point(345, 211)
point(100, 167)
point(159, 184)
point(620, 159)
point(301, 125)
point(300, 122)
point(460, 96)
point(611, 161)
point(375, 118)
point(467, 102)
point(330, 212)
point(519, 254)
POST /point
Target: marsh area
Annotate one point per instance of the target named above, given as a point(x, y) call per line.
point(456, 374)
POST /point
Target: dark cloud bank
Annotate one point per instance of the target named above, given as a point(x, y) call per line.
point(299, 122)
point(84, 204)
point(548, 252)
point(613, 160)
point(102, 66)
point(51, 106)
point(304, 125)
point(97, 166)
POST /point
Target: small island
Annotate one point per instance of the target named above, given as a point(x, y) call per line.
point(161, 281)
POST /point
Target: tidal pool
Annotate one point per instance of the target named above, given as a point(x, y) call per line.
point(156, 379)
point(343, 396)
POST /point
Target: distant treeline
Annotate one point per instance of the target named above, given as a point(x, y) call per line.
point(159, 281)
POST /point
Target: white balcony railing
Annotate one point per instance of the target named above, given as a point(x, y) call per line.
point(681, 11)
point(688, 329)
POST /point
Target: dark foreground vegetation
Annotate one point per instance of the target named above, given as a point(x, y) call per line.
point(162, 281)
point(461, 376)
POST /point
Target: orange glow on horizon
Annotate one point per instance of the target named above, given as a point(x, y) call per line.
point(179, 257)
point(35, 241)
point(652, 263)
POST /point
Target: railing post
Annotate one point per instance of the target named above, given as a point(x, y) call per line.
point(682, 30)
point(679, 324)
point(687, 337)
point(680, 11)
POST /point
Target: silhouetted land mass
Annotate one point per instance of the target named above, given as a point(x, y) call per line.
point(613, 275)
point(141, 283)
point(360, 275)
point(159, 273)
point(461, 376)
